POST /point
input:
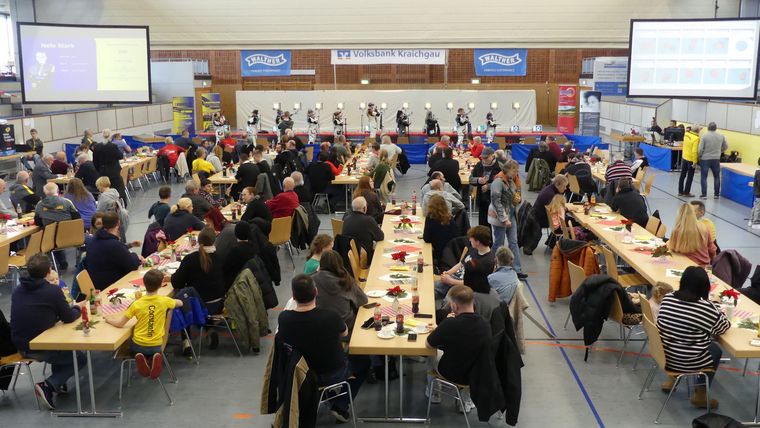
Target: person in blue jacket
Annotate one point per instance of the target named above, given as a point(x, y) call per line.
point(109, 259)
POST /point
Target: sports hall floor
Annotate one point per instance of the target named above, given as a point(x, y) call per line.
point(559, 389)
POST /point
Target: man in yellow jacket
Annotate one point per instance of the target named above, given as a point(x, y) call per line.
point(690, 147)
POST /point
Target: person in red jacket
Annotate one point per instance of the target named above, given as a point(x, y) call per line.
point(286, 202)
point(554, 147)
point(476, 148)
point(171, 151)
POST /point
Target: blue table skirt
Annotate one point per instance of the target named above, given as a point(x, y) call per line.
point(734, 186)
point(520, 151)
point(659, 157)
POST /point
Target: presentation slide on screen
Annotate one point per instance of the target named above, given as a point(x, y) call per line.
point(714, 58)
point(84, 64)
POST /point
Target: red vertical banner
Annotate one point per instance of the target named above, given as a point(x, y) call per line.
point(567, 110)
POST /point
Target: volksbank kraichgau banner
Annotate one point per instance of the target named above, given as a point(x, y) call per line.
point(388, 56)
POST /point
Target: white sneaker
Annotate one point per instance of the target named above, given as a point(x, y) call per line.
point(468, 405)
point(436, 396)
point(497, 420)
point(756, 226)
point(749, 223)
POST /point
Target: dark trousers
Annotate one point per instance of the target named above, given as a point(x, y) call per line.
point(715, 354)
point(687, 173)
point(61, 365)
point(356, 366)
point(712, 165)
point(483, 204)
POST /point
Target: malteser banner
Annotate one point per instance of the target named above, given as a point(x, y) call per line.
point(388, 56)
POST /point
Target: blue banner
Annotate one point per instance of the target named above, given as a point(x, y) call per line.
point(613, 89)
point(264, 63)
point(501, 62)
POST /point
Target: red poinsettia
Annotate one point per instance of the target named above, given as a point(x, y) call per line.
point(189, 230)
point(401, 256)
point(6, 217)
point(112, 291)
point(405, 220)
point(730, 294)
point(627, 223)
point(661, 251)
point(396, 291)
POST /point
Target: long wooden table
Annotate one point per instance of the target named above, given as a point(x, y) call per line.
point(367, 342)
point(736, 341)
point(102, 337)
point(17, 232)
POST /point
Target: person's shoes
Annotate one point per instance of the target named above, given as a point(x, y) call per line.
point(527, 253)
point(341, 415)
point(749, 223)
point(703, 197)
point(465, 406)
point(687, 195)
point(522, 275)
point(157, 366)
point(497, 420)
point(213, 340)
point(716, 197)
point(371, 378)
point(64, 389)
point(142, 365)
point(436, 396)
point(187, 348)
point(756, 226)
point(681, 194)
point(668, 384)
point(44, 394)
point(699, 399)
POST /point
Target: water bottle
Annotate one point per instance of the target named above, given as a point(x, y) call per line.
point(19, 211)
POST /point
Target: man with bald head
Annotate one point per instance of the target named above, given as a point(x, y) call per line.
point(4, 208)
point(285, 202)
point(436, 188)
point(362, 227)
point(52, 209)
point(22, 194)
point(42, 173)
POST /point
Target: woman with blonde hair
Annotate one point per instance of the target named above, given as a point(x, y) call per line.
point(557, 212)
point(319, 245)
point(110, 200)
point(374, 207)
point(506, 195)
point(439, 227)
point(181, 219)
point(691, 238)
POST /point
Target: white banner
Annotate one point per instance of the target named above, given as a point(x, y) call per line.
point(388, 56)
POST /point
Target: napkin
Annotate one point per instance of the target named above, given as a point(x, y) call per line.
point(609, 222)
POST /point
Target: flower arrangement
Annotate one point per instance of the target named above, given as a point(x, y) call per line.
point(400, 256)
point(397, 291)
point(405, 223)
point(729, 296)
point(5, 217)
point(115, 296)
point(661, 251)
point(627, 223)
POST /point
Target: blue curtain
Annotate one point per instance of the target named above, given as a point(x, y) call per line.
point(658, 157)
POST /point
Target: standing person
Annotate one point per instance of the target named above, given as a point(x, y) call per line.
point(373, 119)
point(41, 174)
point(285, 123)
point(402, 122)
point(450, 169)
point(463, 122)
point(36, 306)
point(106, 160)
point(312, 126)
point(121, 143)
point(754, 220)
point(688, 321)
point(490, 127)
point(247, 175)
point(252, 124)
point(690, 156)
point(481, 177)
point(338, 123)
point(711, 146)
point(506, 195)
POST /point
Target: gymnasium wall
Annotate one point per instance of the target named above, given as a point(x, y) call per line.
point(234, 24)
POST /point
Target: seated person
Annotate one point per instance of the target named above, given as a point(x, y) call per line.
point(201, 206)
point(319, 245)
point(578, 167)
point(691, 238)
point(60, 164)
point(541, 151)
point(699, 211)
point(54, 208)
point(37, 305)
point(317, 334)
point(159, 210)
point(449, 167)
point(256, 209)
point(202, 270)
point(109, 259)
point(337, 290)
point(439, 226)
point(438, 175)
point(181, 219)
point(374, 206)
point(640, 161)
point(688, 322)
point(462, 336)
point(557, 213)
point(239, 253)
point(567, 150)
point(617, 170)
point(87, 173)
point(148, 333)
point(206, 191)
point(201, 165)
point(436, 188)
point(545, 196)
point(285, 202)
point(504, 279)
point(22, 194)
point(303, 192)
point(362, 228)
point(473, 269)
point(629, 203)
point(320, 173)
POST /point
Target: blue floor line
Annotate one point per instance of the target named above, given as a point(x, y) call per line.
point(567, 359)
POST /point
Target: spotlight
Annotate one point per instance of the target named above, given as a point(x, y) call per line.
point(475, 81)
point(383, 106)
point(449, 106)
point(471, 105)
point(318, 106)
point(428, 106)
point(362, 106)
point(276, 106)
point(364, 81)
point(494, 106)
point(340, 106)
point(405, 106)
point(516, 105)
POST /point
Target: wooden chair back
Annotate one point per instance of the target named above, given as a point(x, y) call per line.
point(152, 165)
point(48, 238)
point(124, 172)
point(310, 153)
point(640, 174)
point(559, 167)
point(616, 311)
point(654, 342)
point(70, 234)
point(34, 245)
point(167, 327)
point(648, 185)
point(609, 261)
point(646, 307)
point(653, 224)
point(577, 275)
point(337, 226)
point(86, 286)
point(5, 256)
point(355, 268)
point(571, 229)
point(573, 184)
point(280, 233)
point(197, 179)
point(354, 249)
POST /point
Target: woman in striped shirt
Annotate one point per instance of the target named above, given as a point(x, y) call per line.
point(687, 323)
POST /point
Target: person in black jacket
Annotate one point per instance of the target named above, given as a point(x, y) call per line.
point(109, 259)
point(630, 203)
point(541, 152)
point(582, 171)
point(87, 173)
point(36, 306)
point(106, 158)
point(440, 228)
point(304, 194)
point(482, 176)
point(265, 167)
point(180, 219)
point(203, 271)
point(362, 228)
point(450, 169)
point(240, 253)
point(247, 175)
point(256, 210)
point(184, 140)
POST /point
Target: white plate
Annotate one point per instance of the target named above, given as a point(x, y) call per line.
point(410, 217)
point(408, 277)
point(386, 333)
point(376, 293)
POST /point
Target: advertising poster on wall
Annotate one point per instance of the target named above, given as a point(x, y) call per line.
point(567, 111)
point(210, 104)
point(183, 112)
point(388, 56)
point(611, 75)
point(501, 62)
point(264, 63)
point(8, 144)
point(591, 102)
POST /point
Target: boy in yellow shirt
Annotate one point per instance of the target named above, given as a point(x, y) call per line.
point(148, 334)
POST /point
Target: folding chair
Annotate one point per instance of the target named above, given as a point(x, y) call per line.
point(625, 280)
point(211, 321)
point(647, 190)
point(337, 226)
point(449, 389)
point(616, 314)
point(577, 275)
point(280, 234)
point(48, 242)
point(86, 286)
point(125, 178)
point(18, 362)
point(70, 234)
